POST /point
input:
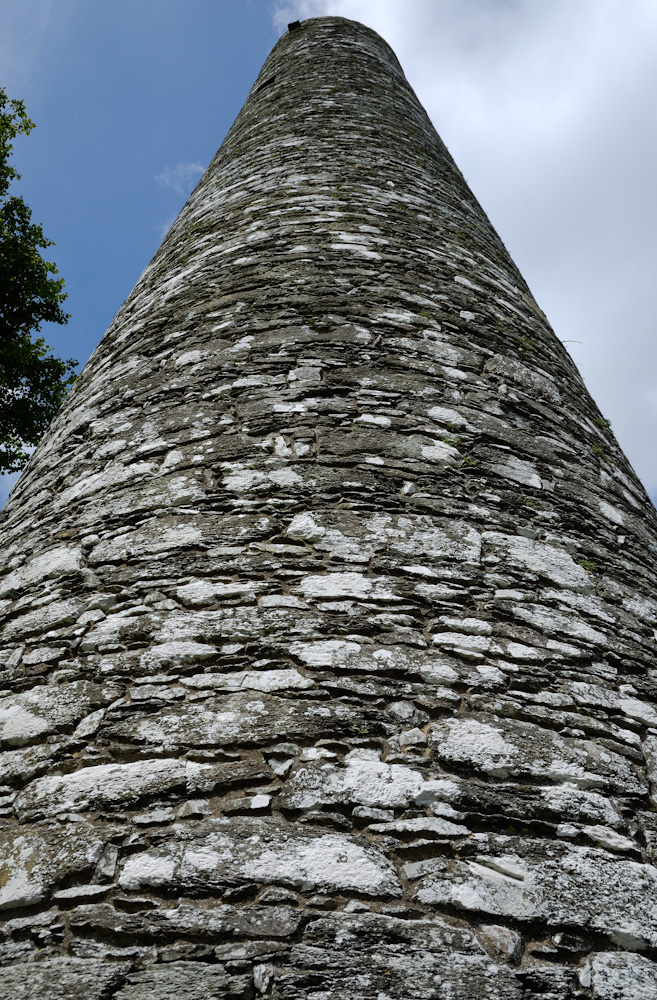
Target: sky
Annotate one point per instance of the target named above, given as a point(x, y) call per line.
point(548, 106)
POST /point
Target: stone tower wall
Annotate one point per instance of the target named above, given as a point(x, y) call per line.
point(329, 602)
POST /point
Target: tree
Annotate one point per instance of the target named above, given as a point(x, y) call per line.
point(32, 381)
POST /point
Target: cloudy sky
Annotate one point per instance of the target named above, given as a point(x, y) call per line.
point(548, 106)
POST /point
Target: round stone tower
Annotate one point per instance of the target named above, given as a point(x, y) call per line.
point(329, 602)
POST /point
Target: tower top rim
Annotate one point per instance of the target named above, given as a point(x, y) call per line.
point(335, 19)
point(351, 30)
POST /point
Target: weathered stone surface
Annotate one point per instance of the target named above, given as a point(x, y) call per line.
point(186, 920)
point(61, 979)
point(245, 718)
point(20, 765)
point(364, 780)
point(544, 561)
point(185, 981)
point(64, 560)
point(42, 621)
point(102, 785)
point(559, 884)
point(498, 749)
point(327, 603)
point(253, 680)
point(396, 540)
point(614, 975)
point(384, 956)
point(43, 710)
point(222, 852)
point(34, 861)
point(111, 785)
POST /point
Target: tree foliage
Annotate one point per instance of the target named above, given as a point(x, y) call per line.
point(32, 381)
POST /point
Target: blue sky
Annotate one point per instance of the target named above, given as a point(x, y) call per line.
point(547, 105)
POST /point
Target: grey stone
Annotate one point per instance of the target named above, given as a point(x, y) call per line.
point(61, 979)
point(394, 958)
point(498, 749)
point(44, 709)
point(34, 861)
point(186, 920)
point(412, 737)
point(218, 853)
point(616, 975)
point(365, 780)
point(21, 765)
point(251, 717)
point(184, 981)
point(558, 884)
point(503, 943)
point(111, 785)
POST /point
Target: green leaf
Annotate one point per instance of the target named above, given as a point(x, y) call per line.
point(33, 381)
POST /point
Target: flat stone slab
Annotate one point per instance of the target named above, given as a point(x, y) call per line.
point(185, 981)
point(36, 713)
point(111, 786)
point(215, 854)
point(384, 956)
point(61, 979)
point(248, 717)
point(365, 780)
point(614, 975)
point(33, 861)
point(560, 884)
point(505, 748)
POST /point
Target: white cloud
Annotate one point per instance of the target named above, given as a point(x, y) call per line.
point(549, 110)
point(180, 178)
